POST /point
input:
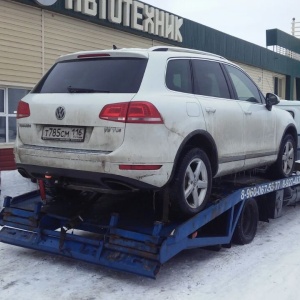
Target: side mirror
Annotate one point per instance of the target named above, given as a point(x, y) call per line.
point(271, 99)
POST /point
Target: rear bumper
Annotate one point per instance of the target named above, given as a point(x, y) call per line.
point(106, 182)
point(94, 167)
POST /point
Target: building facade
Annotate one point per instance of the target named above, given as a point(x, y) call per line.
point(34, 33)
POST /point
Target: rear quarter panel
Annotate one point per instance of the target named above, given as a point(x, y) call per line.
point(181, 112)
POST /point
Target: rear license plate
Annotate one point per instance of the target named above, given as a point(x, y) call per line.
point(71, 134)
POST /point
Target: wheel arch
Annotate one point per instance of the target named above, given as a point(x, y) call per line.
point(291, 129)
point(198, 139)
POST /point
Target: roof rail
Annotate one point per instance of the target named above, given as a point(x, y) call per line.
point(179, 49)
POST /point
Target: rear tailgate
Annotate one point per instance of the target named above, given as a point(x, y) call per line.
point(64, 107)
point(81, 127)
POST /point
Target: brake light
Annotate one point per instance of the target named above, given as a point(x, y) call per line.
point(93, 55)
point(140, 167)
point(23, 110)
point(141, 112)
point(114, 112)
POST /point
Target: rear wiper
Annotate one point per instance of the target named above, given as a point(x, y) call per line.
point(82, 90)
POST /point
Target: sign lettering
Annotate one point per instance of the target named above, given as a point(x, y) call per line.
point(45, 2)
point(129, 13)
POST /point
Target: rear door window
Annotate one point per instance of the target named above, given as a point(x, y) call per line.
point(105, 75)
point(209, 79)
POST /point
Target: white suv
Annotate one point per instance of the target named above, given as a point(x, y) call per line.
point(160, 119)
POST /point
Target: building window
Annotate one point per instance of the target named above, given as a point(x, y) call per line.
point(9, 98)
point(279, 87)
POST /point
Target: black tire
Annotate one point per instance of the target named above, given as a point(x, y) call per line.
point(285, 163)
point(247, 224)
point(191, 187)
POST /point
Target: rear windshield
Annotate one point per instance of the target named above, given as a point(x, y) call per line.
point(105, 75)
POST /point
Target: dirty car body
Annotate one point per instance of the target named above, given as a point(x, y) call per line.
point(149, 119)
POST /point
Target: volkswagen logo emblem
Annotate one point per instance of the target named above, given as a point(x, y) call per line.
point(60, 113)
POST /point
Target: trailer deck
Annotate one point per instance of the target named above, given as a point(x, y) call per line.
point(126, 232)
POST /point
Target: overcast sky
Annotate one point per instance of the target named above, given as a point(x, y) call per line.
point(247, 20)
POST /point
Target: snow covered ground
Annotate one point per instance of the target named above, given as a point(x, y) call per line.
point(268, 268)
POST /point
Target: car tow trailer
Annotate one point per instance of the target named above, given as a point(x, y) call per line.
point(128, 235)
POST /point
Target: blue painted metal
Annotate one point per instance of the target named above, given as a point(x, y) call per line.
point(80, 249)
point(131, 245)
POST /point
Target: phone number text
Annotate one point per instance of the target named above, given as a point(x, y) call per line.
point(269, 187)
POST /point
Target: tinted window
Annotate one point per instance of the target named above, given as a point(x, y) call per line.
point(209, 79)
point(246, 90)
point(111, 75)
point(178, 76)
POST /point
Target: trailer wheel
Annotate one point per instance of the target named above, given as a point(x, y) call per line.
point(190, 190)
point(284, 165)
point(247, 224)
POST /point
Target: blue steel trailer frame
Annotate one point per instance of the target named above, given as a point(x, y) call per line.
point(131, 242)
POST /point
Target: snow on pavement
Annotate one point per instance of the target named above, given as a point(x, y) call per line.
point(268, 268)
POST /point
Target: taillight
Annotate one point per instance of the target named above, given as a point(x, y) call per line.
point(23, 110)
point(141, 112)
point(114, 112)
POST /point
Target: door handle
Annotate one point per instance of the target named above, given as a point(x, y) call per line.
point(210, 110)
point(248, 112)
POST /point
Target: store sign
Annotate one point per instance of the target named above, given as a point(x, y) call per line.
point(45, 2)
point(129, 13)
